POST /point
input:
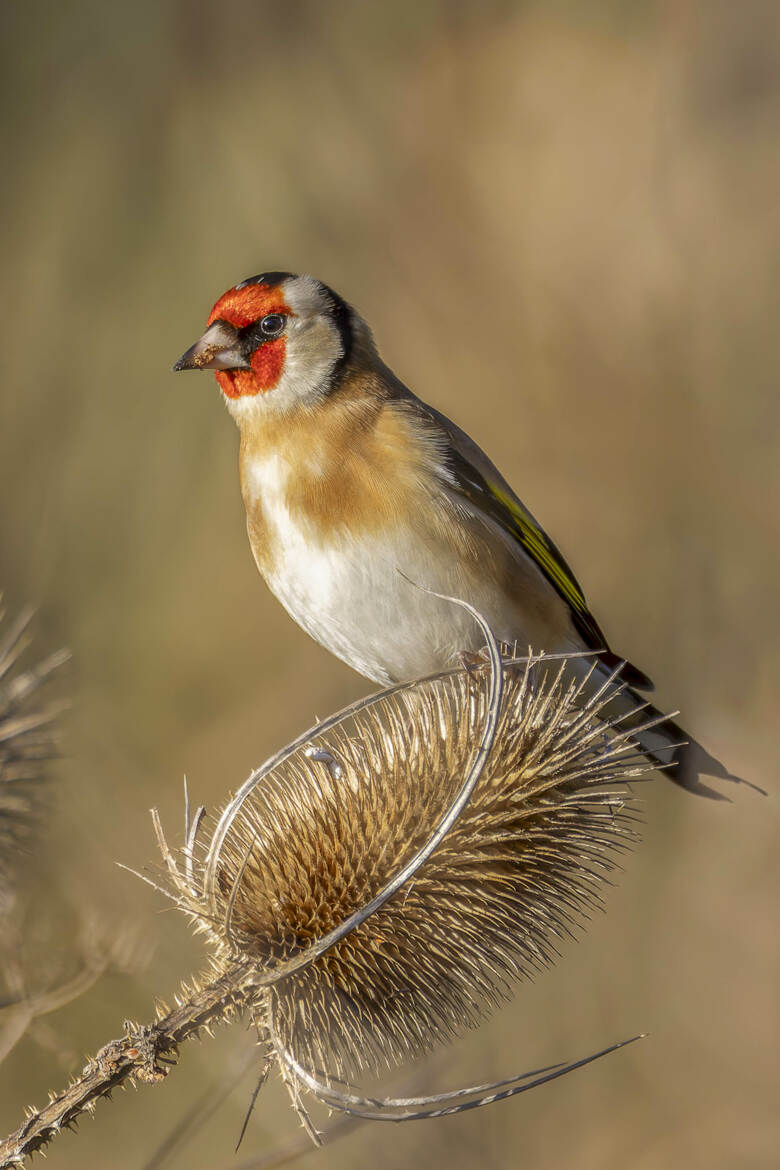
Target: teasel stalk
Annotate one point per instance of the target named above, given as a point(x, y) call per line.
point(383, 883)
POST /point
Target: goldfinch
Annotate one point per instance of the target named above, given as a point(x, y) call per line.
point(357, 493)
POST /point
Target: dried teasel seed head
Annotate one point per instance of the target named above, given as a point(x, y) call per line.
point(27, 744)
point(328, 824)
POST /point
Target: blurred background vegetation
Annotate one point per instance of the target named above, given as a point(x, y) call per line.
point(562, 220)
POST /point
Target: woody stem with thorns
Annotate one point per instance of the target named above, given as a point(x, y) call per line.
point(145, 1053)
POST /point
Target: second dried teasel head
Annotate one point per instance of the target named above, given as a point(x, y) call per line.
point(381, 884)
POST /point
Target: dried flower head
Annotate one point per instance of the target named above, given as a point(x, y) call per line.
point(383, 882)
point(27, 744)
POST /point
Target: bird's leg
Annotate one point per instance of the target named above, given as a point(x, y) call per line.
point(472, 661)
point(476, 660)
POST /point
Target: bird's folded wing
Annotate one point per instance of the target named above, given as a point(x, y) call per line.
point(474, 476)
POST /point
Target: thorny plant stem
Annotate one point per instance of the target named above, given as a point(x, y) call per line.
point(144, 1053)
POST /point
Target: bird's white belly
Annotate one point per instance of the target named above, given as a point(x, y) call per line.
point(366, 599)
point(357, 601)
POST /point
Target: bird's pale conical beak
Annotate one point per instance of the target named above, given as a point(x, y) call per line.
point(217, 349)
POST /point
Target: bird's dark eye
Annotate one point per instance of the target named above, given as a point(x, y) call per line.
point(272, 325)
point(264, 329)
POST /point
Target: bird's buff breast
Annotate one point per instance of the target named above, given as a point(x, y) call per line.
point(359, 592)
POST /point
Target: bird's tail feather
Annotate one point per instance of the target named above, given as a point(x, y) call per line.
point(662, 740)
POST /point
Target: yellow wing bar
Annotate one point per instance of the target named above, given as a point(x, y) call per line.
point(540, 548)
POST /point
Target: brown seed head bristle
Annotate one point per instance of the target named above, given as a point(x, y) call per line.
point(27, 744)
point(311, 838)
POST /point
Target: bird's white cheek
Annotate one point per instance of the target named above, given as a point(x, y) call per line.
point(313, 349)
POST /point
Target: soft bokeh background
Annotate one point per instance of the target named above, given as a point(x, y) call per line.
point(562, 220)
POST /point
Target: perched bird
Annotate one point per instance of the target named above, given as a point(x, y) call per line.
point(357, 493)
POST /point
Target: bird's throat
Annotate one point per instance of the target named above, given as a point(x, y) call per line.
point(267, 366)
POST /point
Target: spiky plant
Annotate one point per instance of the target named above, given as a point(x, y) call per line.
point(312, 841)
point(27, 744)
point(382, 883)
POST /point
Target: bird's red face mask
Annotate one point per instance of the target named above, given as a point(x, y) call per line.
point(244, 341)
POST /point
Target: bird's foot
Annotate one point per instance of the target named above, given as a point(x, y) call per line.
point(472, 661)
